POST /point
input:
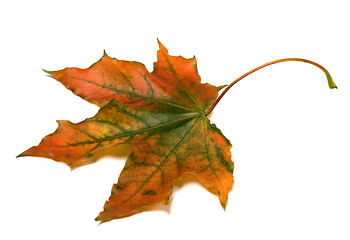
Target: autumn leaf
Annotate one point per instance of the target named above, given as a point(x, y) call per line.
point(160, 114)
point(163, 115)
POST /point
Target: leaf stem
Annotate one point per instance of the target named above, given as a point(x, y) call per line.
point(331, 83)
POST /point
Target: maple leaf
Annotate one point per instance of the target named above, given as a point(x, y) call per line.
point(162, 115)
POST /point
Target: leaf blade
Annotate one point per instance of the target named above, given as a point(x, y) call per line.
point(160, 114)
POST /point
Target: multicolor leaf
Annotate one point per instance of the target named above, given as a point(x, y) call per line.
point(160, 114)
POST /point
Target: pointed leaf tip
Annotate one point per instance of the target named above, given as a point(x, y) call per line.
point(48, 72)
point(27, 153)
point(21, 155)
point(161, 47)
point(221, 87)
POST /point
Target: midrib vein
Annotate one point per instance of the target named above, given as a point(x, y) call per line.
point(125, 134)
point(132, 94)
point(180, 81)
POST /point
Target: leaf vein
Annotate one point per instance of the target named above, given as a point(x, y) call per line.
point(130, 133)
point(162, 163)
point(180, 81)
point(207, 150)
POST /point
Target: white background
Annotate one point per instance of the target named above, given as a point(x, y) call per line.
point(290, 133)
